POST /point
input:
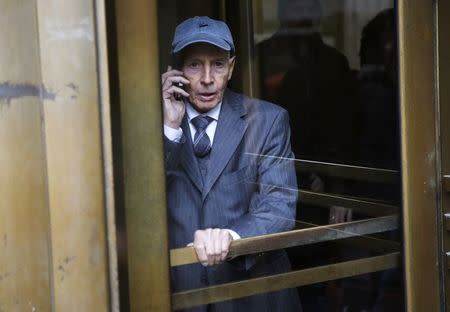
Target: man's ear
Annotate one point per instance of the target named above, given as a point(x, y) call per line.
point(230, 73)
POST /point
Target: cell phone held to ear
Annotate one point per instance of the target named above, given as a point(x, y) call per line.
point(176, 95)
point(176, 64)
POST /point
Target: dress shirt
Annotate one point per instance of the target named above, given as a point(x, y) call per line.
point(176, 134)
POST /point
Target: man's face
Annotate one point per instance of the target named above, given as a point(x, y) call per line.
point(208, 69)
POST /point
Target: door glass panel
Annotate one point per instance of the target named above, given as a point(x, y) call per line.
point(332, 66)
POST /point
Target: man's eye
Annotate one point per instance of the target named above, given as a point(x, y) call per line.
point(220, 64)
point(194, 65)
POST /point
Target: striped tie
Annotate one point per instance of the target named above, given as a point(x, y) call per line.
point(202, 144)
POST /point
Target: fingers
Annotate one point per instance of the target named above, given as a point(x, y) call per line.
point(200, 248)
point(212, 245)
point(169, 92)
point(169, 80)
point(340, 215)
point(349, 215)
point(172, 76)
point(224, 248)
point(173, 107)
point(217, 246)
point(332, 217)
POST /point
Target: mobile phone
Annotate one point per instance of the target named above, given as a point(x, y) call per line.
point(178, 96)
point(176, 65)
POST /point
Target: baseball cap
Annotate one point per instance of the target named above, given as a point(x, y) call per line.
point(202, 29)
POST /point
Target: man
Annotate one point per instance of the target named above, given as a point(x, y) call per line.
point(229, 168)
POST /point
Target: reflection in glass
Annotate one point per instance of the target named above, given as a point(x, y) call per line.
point(332, 65)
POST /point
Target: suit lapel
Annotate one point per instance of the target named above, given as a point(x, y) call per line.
point(229, 132)
point(188, 159)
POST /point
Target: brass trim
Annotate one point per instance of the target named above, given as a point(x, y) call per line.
point(223, 10)
point(143, 156)
point(263, 243)
point(106, 141)
point(359, 173)
point(249, 82)
point(197, 297)
point(443, 98)
point(369, 208)
point(418, 145)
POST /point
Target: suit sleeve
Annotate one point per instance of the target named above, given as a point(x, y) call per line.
point(172, 151)
point(273, 207)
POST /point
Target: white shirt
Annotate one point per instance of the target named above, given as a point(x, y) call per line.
point(176, 134)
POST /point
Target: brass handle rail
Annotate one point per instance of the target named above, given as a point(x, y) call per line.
point(365, 207)
point(446, 181)
point(251, 245)
point(201, 296)
point(358, 173)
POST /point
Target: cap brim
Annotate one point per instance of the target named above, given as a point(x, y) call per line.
point(202, 37)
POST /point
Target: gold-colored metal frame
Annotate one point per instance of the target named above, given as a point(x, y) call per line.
point(416, 29)
point(443, 96)
point(142, 151)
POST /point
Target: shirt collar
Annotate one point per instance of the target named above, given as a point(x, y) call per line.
point(213, 113)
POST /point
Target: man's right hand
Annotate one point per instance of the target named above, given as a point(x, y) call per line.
point(212, 245)
point(173, 109)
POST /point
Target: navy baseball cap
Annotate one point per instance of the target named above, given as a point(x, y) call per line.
point(202, 29)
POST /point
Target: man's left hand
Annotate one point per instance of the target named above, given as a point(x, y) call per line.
point(340, 214)
point(212, 245)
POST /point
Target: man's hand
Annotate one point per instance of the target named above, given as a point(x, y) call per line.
point(212, 245)
point(173, 109)
point(340, 214)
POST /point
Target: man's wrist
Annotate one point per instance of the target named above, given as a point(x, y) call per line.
point(173, 134)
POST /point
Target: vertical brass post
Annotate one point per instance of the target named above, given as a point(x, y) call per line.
point(143, 158)
point(416, 46)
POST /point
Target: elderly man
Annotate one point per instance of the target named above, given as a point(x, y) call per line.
point(229, 168)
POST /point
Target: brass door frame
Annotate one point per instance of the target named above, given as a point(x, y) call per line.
point(143, 154)
point(443, 128)
point(419, 151)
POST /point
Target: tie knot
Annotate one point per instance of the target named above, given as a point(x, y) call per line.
point(201, 122)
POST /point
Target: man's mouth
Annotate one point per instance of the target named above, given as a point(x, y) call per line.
point(207, 96)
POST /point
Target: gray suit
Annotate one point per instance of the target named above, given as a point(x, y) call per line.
point(241, 191)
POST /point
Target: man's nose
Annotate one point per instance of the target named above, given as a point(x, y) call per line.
point(207, 77)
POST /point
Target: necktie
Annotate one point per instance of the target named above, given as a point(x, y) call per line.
point(202, 144)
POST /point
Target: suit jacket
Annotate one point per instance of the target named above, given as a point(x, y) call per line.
point(250, 187)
